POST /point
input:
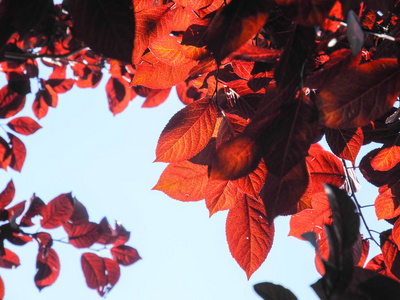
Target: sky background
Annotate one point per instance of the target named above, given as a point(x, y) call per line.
point(107, 163)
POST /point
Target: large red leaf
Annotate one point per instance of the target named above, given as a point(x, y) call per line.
point(125, 255)
point(234, 25)
point(24, 125)
point(151, 24)
point(312, 219)
point(112, 20)
point(361, 94)
point(158, 75)
point(183, 181)
point(83, 235)
point(79, 214)
point(9, 260)
point(188, 131)
point(7, 195)
point(10, 102)
point(252, 183)
point(345, 143)
point(48, 267)
point(156, 97)
point(169, 50)
point(57, 211)
point(386, 159)
point(249, 235)
point(94, 270)
point(18, 152)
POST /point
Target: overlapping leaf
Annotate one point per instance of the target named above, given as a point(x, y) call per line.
point(7, 195)
point(345, 143)
point(48, 267)
point(361, 94)
point(188, 131)
point(18, 152)
point(24, 125)
point(57, 211)
point(83, 235)
point(125, 255)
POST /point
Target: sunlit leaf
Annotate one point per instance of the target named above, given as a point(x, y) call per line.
point(387, 204)
point(83, 235)
point(345, 143)
point(184, 181)
point(248, 233)
point(10, 102)
point(57, 211)
point(188, 131)
point(386, 159)
point(119, 93)
point(125, 255)
point(221, 195)
point(48, 268)
point(24, 125)
point(18, 153)
point(9, 260)
point(35, 208)
point(7, 195)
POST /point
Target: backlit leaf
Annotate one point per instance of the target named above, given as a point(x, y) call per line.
point(48, 267)
point(10, 102)
point(194, 4)
point(40, 106)
point(151, 24)
point(35, 208)
point(83, 235)
point(361, 94)
point(221, 195)
point(57, 211)
point(114, 21)
point(181, 138)
point(345, 143)
point(94, 270)
point(184, 181)
point(386, 159)
point(248, 233)
point(119, 93)
point(113, 274)
point(391, 253)
point(166, 75)
point(24, 125)
point(9, 260)
point(7, 195)
point(234, 25)
point(387, 204)
point(156, 97)
point(18, 153)
point(125, 255)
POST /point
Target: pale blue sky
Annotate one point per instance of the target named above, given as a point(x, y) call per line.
point(107, 163)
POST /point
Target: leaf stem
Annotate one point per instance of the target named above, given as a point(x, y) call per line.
point(359, 207)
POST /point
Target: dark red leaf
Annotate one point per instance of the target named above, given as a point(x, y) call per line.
point(57, 211)
point(114, 21)
point(48, 267)
point(61, 85)
point(345, 143)
point(9, 260)
point(7, 195)
point(119, 93)
point(15, 211)
point(79, 214)
point(18, 152)
point(24, 125)
point(35, 208)
point(83, 235)
point(113, 273)
point(125, 255)
point(10, 102)
point(93, 267)
point(40, 106)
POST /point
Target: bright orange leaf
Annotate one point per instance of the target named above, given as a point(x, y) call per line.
point(386, 159)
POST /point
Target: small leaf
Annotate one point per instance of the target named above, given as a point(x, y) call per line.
point(83, 235)
point(9, 260)
point(7, 195)
point(345, 143)
point(270, 291)
point(386, 159)
point(125, 255)
point(24, 125)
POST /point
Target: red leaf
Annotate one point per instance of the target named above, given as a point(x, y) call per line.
point(249, 235)
point(40, 106)
point(387, 204)
point(386, 159)
point(114, 21)
point(35, 208)
point(24, 125)
point(94, 270)
point(312, 219)
point(156, 97)
point(10, 102)
point(222, 195)
point(252, 183)
point(18, 152)
point(391, 253)
point(234, 25)
point(194, 4)
point(345, 143)
point(15, 211)
point(150, 68)
point(57, 211)
point(60, 86)
point(7, 195)
point(119, 93)
point(181, 138)
point(361, 94)
point(5, 154)
point(44, 239)
point(113, 273)
point(151, 24)
point(83, 235)
point(48, 265)
point(183, 181)
point(169, 50)
point(9, 260)
point(1, 289)
point(80, 214)
point(125, 255)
